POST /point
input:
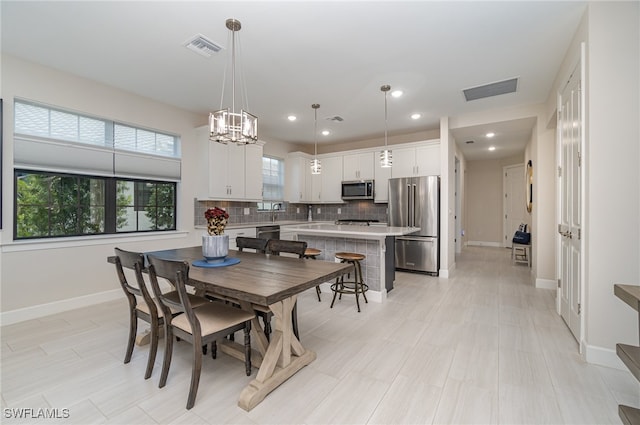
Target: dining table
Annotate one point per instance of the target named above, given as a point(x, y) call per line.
point(266, 280)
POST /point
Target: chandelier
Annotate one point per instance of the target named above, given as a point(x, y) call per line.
point(228, 125)
point(386, 159)
point(316, 167)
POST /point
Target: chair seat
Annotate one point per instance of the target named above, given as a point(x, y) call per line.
point(350, 256)
point(196, 301)
point(213, 318)
point(311, 252)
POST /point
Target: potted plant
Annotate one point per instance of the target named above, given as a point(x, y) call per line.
point(215, 244)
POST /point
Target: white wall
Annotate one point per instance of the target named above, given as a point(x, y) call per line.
point(613, 203)
point(36, 273)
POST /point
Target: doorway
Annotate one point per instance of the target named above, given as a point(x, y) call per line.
point(514, 204)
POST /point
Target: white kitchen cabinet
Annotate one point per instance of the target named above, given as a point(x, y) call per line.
point(326, 187)
point(235, 171)
point(297, 178)
point(358, 166)
point(416, 161)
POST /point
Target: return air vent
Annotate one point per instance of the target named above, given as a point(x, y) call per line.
point(202, 45)
point(335, 118)
point(489, 90)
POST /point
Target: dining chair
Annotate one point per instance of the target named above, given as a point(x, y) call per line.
point(148, 310)
point(276, 247)
point(257, 244)
point(199, 326)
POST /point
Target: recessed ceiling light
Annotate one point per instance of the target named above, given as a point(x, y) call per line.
point(325, 132)
point(291, 117)
point(492, 148)
point(396, 93)
point(415, 116)
point(490, 135)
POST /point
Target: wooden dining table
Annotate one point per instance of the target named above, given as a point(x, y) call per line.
point(268, 281)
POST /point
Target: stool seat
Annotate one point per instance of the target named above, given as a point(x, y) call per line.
point(350, 256)
point(311, 252)
point(355, 286)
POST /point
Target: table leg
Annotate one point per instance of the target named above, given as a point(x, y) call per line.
point(284, 356)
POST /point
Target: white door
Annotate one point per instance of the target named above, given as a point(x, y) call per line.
point(514, 204)
point(570, 133)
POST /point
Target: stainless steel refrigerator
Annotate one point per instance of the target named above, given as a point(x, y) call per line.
point(415, 202)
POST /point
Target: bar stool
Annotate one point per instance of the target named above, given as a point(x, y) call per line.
point(312, 254)
point(355, 286)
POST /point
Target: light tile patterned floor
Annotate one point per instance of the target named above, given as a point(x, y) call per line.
point(482, 347)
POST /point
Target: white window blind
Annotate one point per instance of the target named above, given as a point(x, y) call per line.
point(53, 139)
point(272, 179)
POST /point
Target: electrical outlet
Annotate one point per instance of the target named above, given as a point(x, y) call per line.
point(318, 210)
point(246, 211)
point(297, 210)
point(339, 210)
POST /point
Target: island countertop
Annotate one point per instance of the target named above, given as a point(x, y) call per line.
point(346, 231)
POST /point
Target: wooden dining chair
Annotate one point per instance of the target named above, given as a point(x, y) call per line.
point(148, 309)
point(277, 247)
point(199, 326)
point(257, 244)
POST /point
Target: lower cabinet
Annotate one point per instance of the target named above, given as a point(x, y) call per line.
point(247, 232)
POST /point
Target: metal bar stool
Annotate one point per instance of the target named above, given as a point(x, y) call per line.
point(312, 254)
point(355, 286)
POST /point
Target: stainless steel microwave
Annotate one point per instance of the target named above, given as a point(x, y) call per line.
point(358, 189)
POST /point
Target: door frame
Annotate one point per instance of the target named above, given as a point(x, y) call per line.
point(506, 237)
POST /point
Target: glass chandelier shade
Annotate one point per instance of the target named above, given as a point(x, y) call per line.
point(316, 166)
point(227, 125)
point(386, 157)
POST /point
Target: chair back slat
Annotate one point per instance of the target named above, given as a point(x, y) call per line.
point(259, 245)
point(277, 246)
point(134, 261)
point(176, 272)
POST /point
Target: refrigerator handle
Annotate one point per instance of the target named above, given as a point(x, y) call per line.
point(409, 207)
point(413, 207)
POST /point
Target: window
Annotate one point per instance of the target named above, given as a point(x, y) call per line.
point(81, 175)
point(272, 184)
point(59, 205)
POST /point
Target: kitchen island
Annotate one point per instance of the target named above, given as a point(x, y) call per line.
point(376, 242)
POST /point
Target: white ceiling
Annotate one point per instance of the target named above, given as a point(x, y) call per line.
point(295, 53)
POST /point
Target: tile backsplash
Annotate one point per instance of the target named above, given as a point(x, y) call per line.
point(328, 212)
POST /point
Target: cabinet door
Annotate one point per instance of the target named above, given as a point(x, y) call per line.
point(218, 169)
point(297, 179)
point(428, 160)
point(235, 170)
point(358, 166)
point(404, 161)
point(331, 188)
point(253, 172)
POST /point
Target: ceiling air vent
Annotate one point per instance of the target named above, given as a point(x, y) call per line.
point(335, 118)
point(202, 45)
point(489, 90)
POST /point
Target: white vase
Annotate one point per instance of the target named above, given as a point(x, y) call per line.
point(215, 248)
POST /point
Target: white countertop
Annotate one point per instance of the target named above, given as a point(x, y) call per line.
point(344, 230)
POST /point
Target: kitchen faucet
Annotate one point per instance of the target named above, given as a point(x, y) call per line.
point(274, 207)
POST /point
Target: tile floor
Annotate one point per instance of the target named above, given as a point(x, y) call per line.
point(482, 347)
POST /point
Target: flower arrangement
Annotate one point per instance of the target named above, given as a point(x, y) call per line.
point(216, 220)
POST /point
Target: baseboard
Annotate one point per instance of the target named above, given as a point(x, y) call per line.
point(37, 311)
point(603, 357)
point(546, 283)
point(483, 243)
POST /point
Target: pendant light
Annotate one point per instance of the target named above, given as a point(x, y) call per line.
point(386, 159)
point(316, 167)
point(228, 125)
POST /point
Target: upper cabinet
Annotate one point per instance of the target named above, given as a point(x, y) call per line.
point(358, 166)
point(297, 178)
point(303, 187)
point(416, 161)
point(235, 171)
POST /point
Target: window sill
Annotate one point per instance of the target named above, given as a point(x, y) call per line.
point(79, 241)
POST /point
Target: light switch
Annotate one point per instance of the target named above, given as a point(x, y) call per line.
point(246, 211)
point(339, 210)
point(318, 211)
point(297, 210)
